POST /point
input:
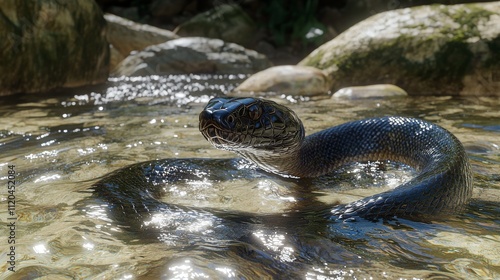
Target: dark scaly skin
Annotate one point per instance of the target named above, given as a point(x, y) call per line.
point(442, 186)
point(273, 137)
point(443, 183)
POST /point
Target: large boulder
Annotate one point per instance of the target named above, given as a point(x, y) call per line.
point(48, 44)
point(447, 50)
point(192, 55)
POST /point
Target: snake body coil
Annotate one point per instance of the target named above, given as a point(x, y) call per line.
point(273, 137)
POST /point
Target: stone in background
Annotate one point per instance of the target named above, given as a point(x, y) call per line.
point(48, 44)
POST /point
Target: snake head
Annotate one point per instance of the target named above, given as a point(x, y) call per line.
point(239, 124)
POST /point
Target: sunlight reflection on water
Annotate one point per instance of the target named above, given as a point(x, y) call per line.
point(271, 227)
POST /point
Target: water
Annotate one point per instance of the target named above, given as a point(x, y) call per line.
point(62, 143)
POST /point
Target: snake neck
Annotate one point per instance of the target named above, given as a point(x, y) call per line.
point(298, 160)
point(284, 162)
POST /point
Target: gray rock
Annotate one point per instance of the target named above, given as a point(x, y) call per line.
point(226, 22)
point(51, 43)
point(440, 50)
point(371, 91)
point(126, 35)
point(192, 55)
point(285, 79)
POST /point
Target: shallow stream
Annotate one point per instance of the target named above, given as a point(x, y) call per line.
point(60, 144)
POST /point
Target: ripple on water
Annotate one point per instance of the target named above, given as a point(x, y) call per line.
point(275, 227)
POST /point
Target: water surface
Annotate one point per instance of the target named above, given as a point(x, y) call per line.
point(62, 143)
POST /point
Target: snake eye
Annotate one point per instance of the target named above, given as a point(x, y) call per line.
point(230, 119)
point(254, 112)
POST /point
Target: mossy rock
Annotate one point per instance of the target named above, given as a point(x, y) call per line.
point(51, 43)
point(427, 50)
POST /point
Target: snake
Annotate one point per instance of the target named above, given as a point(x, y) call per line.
point(272, 137)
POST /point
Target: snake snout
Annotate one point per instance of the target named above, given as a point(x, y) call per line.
point(212, 131)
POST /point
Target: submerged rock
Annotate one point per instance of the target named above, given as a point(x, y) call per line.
point(226, 22)
point(192, 55)
point(445, 50)
point(49, 44)
point(371, 91)
point(286, 79)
